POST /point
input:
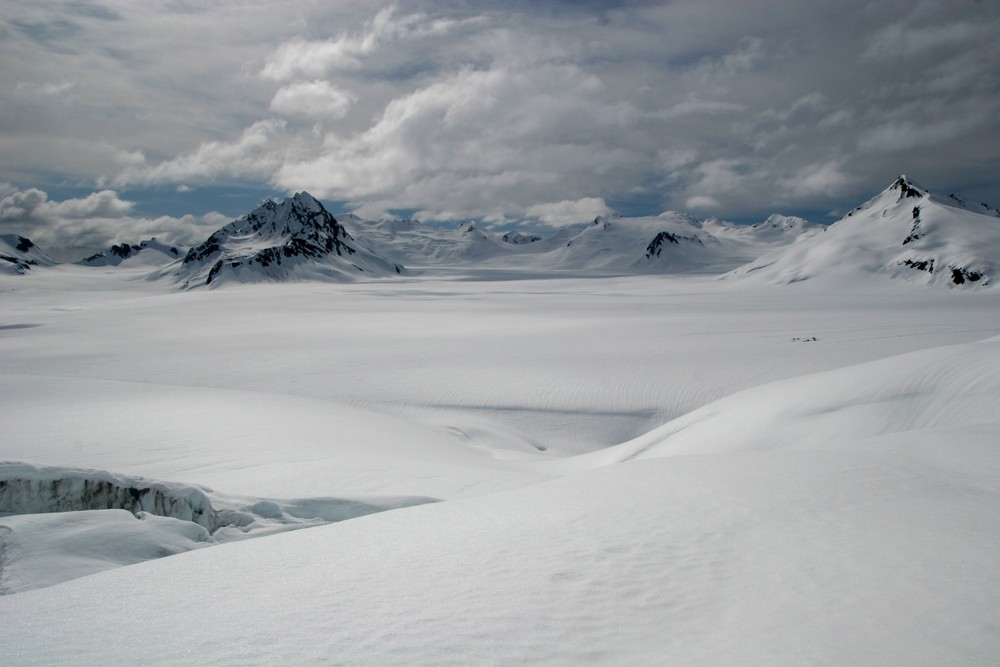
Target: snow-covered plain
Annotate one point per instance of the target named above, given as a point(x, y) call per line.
point(634, 470)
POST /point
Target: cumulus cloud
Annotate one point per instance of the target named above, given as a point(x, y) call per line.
point(317, 99)
point(464, 143)
point(566, 212)
point(252, 155)
point(313, 58)
point(819, 179)
point(702, 203)
point(71, 228)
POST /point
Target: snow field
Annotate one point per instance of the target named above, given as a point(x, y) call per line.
point(808, 556)
point(636, 470)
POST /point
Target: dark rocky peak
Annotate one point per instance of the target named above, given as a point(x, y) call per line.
point(901, 189)
point(517, 238)
point(19, 253)
point(299, 225)
point(907, 188)
point(124, 250)
point(295, 214)
point(655, 246)
point(606, 220)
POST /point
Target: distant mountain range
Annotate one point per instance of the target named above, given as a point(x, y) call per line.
point(904, 233)
point(153, 252)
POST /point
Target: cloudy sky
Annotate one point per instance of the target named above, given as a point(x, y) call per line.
point(123, 119)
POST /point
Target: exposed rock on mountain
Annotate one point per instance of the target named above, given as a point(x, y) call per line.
point(904, 232)
point(153, 252)
point(517, 238)
point(18, 254)
point(295, 239)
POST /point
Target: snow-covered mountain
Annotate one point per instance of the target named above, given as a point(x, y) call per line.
point(150, 252)
point(614, 242)
point(667, 243)
point(671, 242)
point(415, 243)
point(297, 238)
point(18, 254)
point(904, 232)
point(518, 238)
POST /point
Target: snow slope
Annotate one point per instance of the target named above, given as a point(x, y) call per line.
point(904, 233)
point(851, 550)
point(18, 254)
point(40, 550)
point(939, 389)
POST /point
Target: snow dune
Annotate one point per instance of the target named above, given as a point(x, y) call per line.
point(872, 545)
point(937, 389)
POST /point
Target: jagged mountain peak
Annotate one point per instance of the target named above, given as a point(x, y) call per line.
point(907, 188)
point(296, 237)
point(903, 191)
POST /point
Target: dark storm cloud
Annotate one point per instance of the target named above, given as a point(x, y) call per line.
point(499, 110)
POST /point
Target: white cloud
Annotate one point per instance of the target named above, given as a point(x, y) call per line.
point(252, 155)
point(72, 228)
point(315, 58)
point(475, 138)
point(702, 203)
point(316, 99)
point(35, 204)
point(721, 176)
point(819, 179)
point(566, 212)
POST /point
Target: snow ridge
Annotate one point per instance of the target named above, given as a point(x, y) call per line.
point(903, 233)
